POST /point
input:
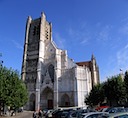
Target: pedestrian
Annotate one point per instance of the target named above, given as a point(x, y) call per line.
point(40, 114)
point(34, 114)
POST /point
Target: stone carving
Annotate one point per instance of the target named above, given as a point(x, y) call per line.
point(33, 47)
point(32, 63)
point(47, 78)
point(36, 30)
point(31, 78)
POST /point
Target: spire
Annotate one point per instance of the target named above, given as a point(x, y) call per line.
point(92, 57)
point(29, 18)
point(43, 18)
point(43, 14)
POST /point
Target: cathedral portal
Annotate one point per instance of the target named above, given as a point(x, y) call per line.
point(47, 98)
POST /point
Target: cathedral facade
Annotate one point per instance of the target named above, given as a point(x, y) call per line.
point(53, 79)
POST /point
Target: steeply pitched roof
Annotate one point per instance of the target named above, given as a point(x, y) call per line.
point(85, 63)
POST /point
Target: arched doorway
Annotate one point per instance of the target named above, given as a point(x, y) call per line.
point(47, 98)
point(32, 102)
point(65, 100)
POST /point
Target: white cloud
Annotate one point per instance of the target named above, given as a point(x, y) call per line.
point(116, 62)
point(124, 29)
point(122, 58)
point(126, 46)
point(104, 34)
point(18, 45)
point(80, 35)
point(124, 20)
point(84, 41)
point(71, 32)
point(84, 32)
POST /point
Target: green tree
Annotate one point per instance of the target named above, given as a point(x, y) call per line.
point(114, 90)
point(126, 86)
point(13, 90)
point(126, 81)
point(96, 96)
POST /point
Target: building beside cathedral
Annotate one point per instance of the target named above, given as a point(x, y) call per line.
point(53, 79)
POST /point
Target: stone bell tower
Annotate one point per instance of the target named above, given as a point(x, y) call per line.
point(38, 31)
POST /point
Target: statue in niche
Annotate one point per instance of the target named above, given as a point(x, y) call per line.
point(47, 78)
point(48, 75)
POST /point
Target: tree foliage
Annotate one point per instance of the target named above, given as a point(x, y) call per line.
point(96, 96)
point(126, 86)
point(126, 81)
point(12, 90)
point(112, 90)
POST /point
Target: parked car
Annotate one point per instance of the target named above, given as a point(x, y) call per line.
point(73, 114)
point(94, 115)
point(48, 114)
point(57, 113)
point(100, 108)
point(62, 113)
point(114, 109)
point(51, 114)
point(44, 111)
point(126, 109)
point(116, 115)
point(78, 113)
point(65, 114)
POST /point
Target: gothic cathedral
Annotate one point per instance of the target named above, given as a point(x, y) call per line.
point(53, 79)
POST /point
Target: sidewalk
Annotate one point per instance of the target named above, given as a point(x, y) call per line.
point(24, 114)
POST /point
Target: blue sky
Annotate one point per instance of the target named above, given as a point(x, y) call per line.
point(82, 27)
